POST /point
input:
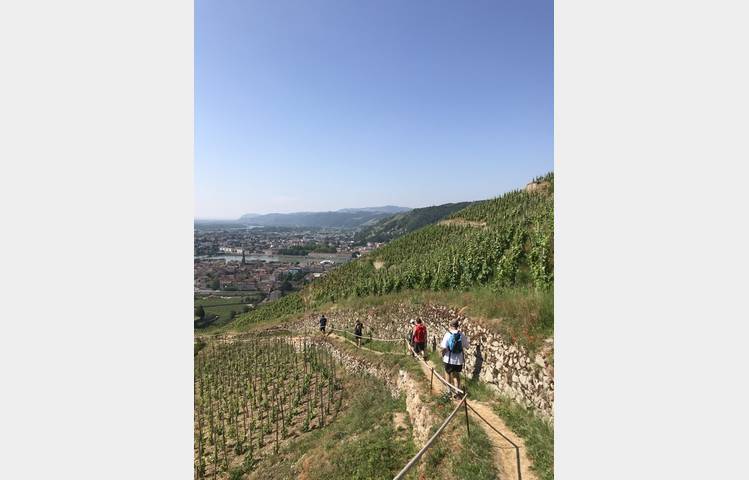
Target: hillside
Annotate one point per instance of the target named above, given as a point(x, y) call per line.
point(383, 209)
point(345, 218)
point(501, 246)
point(503, 242)
point(490, 266)
point(387, 229)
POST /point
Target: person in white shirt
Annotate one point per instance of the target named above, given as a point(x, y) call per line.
point(453, 345)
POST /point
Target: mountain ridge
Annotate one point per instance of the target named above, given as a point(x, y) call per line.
point(386, 229)
point(343, 218)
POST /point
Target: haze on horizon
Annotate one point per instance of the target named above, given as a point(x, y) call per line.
point(324, 105)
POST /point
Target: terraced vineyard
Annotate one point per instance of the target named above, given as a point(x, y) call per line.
point(252, 396)
point(503, 242)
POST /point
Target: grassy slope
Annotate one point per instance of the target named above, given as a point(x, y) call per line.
point(222, 307)
point(523, 315)
point(361, 444)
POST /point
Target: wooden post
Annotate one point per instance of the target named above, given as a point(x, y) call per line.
point(431, 380)
point(465, 404)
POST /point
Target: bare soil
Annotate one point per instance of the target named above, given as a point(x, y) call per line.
point(459, 222)
point(504, 452)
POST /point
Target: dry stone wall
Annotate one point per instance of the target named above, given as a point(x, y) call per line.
point(491, 358)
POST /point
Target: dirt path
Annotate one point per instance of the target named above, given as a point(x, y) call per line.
point(505, 456)
point(504, 452)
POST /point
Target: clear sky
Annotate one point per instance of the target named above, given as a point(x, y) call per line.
point(317, 105)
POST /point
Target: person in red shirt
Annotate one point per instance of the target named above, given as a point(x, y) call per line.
point(420, 338)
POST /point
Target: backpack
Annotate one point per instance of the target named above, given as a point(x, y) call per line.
point(455, 343)
point(420, 333)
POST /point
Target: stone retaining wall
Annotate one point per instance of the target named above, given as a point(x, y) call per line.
point(501, 364)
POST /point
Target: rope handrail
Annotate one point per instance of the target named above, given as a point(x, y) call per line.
point(515, 447)
point(369, 349)
point(369, 336)
point(421, 452)
point(464, 400)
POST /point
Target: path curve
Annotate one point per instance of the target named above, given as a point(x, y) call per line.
point(504, 453)
point(505, 459)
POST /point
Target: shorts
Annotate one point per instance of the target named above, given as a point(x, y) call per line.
point(322, 328)
point(357, 335)
point(450, 368)
point(420, 347)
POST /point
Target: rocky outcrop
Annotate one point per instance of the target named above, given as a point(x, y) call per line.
point(537, 187)
point(503, 365)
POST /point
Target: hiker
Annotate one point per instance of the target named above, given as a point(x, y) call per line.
point(357, 332)
point(323, 322)
point(420, 338)
point(411, 324)
point(453, 345)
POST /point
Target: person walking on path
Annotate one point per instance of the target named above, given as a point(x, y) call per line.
point(357, 332)
point(323, 323)
point(410, 338)
point(420, 338)
point(453, 345)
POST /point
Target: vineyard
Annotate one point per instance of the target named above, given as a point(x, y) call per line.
point(502, 242)
point(252, 396)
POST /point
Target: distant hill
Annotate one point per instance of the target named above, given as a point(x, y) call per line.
point(209, 224)
point(345, 218)
point(388, 228)
point(385, 209)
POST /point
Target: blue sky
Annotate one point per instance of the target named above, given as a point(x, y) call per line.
point(319, 105)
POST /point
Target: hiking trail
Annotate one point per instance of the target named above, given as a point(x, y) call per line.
point(504, 453)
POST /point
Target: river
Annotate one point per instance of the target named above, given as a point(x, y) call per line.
point(302, 260)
